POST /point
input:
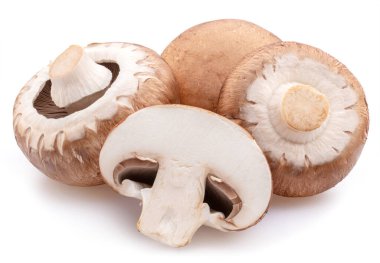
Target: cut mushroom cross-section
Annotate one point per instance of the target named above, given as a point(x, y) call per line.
point(190, 167)
point(64, 113)
point(306, 111)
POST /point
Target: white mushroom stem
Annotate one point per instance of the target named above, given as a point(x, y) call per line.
point(173, 208)
point(74, 75)
point(304, 108)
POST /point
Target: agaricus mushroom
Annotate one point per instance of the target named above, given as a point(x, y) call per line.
point(190, 167)
point(63, 114)
point(305, 109)
point(203, 56)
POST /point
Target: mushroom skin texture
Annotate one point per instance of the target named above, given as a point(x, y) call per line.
point(306, 111)
point(202, 57)
point(64, 141)
point(182, 146)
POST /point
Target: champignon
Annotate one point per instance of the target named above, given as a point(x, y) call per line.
point(190, 167)
point(203, 56)
point(64, 113)
point(305, 109)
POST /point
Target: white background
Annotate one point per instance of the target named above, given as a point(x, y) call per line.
point(45, 221)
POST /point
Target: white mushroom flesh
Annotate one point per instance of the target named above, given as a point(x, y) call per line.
point(316, 133)
point(188, 144)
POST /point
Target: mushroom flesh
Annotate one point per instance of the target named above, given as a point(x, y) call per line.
point(189, 167)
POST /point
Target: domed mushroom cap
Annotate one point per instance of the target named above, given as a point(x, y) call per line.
point(190, 167)
point(64, 113)
point(305, 109)
point(203, 56)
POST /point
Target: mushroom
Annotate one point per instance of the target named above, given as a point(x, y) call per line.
point(306, 111)
point(203, 56)
point(63, 114)
point(190, 167)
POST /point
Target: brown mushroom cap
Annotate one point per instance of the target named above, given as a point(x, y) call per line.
point(64, 142)
point(203, 56)
point(311, 159)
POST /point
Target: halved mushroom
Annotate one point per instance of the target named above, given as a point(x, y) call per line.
point(202, 57)
point(305, 109)
point(64, 113)
point(190, 167)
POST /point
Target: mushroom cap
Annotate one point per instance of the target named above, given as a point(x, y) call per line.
point(64, 143)
point(202, 57)
point(303, 163)
point(185, 138)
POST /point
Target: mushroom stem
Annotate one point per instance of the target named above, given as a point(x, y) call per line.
point(173, 208)
point(74, 75)
point(304, 108)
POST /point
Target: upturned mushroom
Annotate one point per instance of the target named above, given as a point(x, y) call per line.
point(63, 114)
point(306, 111)
point(202, 57)
point(190, 167)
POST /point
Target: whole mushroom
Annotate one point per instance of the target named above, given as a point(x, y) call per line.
point(306, 111)
point(202, 57)
point(62, 116)
point(190, 167)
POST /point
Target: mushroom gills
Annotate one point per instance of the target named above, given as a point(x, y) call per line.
point(45, 105)
point(139, 171)
point(218, 195)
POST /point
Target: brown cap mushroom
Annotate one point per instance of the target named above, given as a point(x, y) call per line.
point(190, 167)
point(305, 109)
point(203, 56)
point(64, 113)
